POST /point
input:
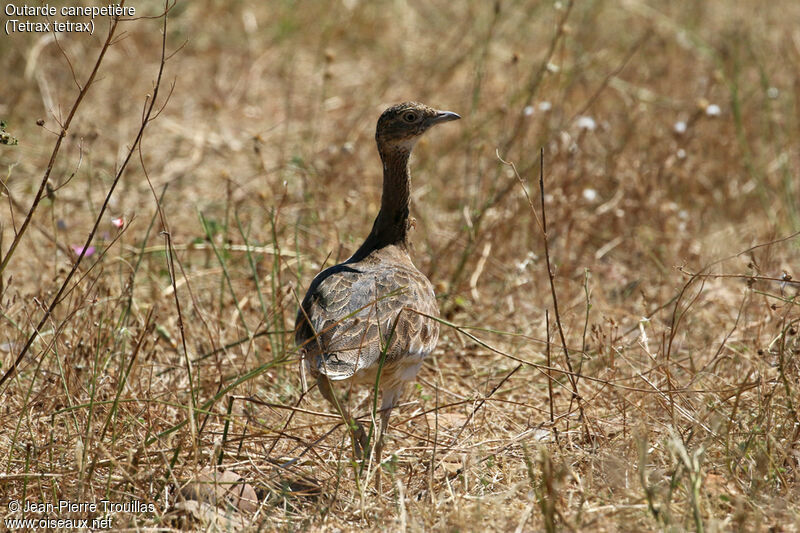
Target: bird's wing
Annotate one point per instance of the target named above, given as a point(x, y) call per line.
point(350, 316)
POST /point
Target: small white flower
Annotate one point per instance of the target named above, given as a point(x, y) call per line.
point(528, 111)
point(545, 106)
point(552, 67)
point(529, 259)
point(713, 110)
point(772, 93)
point(590, 195)
point(680, 127)
point(586, 123)
point(681, 153)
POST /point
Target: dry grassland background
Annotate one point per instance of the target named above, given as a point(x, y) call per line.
point(671, 140)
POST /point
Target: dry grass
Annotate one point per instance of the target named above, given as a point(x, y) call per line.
point(670, 251)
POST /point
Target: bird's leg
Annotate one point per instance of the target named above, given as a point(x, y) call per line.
point(389, 400)
point(354, 427)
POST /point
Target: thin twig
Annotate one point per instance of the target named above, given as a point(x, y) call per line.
point(54, 155)
point(57, 298)
point(549, 375)
point(571, 374)
point(536, 80)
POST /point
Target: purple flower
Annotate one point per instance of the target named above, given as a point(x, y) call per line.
point(78, 249)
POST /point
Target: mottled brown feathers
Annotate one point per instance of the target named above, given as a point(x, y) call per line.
point(357, 309)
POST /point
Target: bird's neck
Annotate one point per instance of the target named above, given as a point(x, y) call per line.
point(391, 224)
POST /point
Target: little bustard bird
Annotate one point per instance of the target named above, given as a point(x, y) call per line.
point(366, 316)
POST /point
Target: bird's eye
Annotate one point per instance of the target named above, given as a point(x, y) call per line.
point(410, 117)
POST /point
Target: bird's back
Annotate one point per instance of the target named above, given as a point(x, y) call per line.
point(353, 310)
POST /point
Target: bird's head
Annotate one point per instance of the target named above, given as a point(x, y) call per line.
point(401, 125)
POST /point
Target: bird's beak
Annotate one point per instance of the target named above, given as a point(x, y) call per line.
point(444, 116)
